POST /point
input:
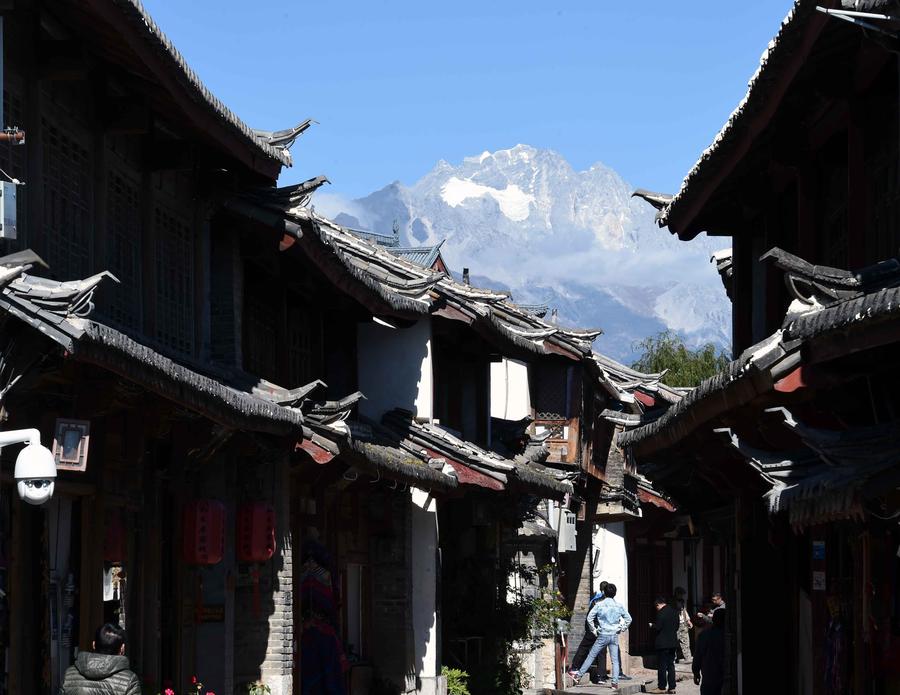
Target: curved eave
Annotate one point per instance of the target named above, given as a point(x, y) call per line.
point(779, 65)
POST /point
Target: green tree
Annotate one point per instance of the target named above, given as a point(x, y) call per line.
point(685, 367)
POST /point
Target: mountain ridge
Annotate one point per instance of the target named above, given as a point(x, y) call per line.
point(525, 219)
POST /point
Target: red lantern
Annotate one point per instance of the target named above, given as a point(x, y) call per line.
point(204, 532)
point(255, 532)
point(115, 545)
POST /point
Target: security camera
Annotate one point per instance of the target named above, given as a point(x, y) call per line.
point(35, 466)
point(35, 474)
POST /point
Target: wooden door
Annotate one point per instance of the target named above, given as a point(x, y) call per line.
point(650, 574)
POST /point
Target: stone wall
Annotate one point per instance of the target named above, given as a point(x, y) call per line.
point(264, 615)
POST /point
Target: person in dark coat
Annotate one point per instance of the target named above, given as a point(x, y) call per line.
point(709, 656)
point(666, 645)
point(104, 671)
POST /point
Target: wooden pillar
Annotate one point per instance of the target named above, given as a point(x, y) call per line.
point(202, 290)
point(150, 579)
point(856, 183)
point(29, 21)
point(98, 257)
point(861, 610)
point(91, 584)
point(230, 574)
point(26, 599)
point(806, 213)
point(742, 291)
point(148, 244)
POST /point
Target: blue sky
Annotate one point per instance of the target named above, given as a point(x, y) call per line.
point(397, 85)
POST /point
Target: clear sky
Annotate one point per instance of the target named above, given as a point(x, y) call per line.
point(397, 85)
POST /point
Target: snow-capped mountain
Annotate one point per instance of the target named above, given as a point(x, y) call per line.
point(525, 220)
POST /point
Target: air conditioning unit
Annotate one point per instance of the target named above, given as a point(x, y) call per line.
point(7, 210)
point(567, 532)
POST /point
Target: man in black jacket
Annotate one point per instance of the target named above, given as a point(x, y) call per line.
point(104, 671)
point(666, 645)
point(709, 657)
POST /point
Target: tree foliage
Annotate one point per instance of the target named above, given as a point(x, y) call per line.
point(686, 367)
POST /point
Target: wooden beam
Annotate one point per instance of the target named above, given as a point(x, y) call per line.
point(63, 61)
point(126, 116)
point(173, 155)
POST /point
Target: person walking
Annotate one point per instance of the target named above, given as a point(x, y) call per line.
point(607, 619)
point(709, 658)
point(684, 625)
point(587, 641)
point(666, 644)
point(105, 670)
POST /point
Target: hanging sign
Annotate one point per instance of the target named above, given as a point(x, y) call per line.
point(70, 444)
point(818, 581)
point(818, 550)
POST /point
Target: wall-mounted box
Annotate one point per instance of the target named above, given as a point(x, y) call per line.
point(7, 210)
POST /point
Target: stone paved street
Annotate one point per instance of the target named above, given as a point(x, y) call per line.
point(644, 680)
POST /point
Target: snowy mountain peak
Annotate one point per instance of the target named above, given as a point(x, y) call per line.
point(526, 219)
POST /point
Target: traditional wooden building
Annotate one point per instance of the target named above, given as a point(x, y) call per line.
point(788, 457)
point(196, 367)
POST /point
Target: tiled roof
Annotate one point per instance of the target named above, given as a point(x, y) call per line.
point(760, 366)
point(146, 29)
point(424, 256)
point(410, 288)
point(60, 310)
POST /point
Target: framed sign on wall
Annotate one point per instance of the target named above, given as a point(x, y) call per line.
point(70, 444)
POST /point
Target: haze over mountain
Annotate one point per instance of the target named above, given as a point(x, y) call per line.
point(523, 219)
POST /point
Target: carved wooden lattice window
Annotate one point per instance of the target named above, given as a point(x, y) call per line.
point(551, 393)
point(123, 238)
point(174, 282)
point(883, 193)
point(67, 204)
point(304, 342)
point(261, 312)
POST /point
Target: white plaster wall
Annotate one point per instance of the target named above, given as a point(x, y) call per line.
point(611, 560)
point(395, 369)
point(424, 590)
point(510, 397)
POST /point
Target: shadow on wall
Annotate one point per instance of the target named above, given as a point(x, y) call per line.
point(263, 622)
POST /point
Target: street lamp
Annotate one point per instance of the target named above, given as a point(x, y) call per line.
point(35, 466)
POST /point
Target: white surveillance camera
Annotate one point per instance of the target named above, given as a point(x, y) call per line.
point(35, 473)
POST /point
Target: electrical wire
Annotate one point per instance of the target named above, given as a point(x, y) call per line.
point(12, 179)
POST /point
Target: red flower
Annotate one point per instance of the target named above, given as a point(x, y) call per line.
point(168, 691)
point(193, 680)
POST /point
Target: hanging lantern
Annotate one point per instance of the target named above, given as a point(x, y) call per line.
point(115, 543)
point(204, 532)
point(255, 532)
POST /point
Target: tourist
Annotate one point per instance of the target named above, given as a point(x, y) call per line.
point(718, 605)
point(587, 641)
point(105, 670)
point(709, 657)
point(684, 625)
point(606, 620)
point(666, 645)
